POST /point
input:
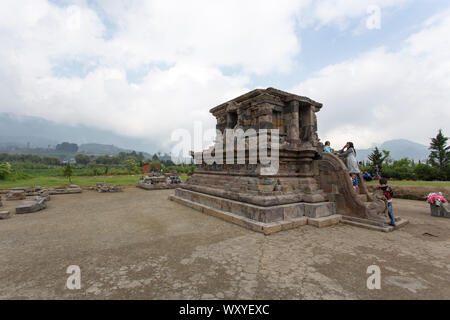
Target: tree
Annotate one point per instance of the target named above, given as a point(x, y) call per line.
point(67, 147)
point(67, 172)
point(83, 159)
point(122, 156)
point(440, 151)
point(155, 157)
point(131, 165)
point(377, 157)
point(5, 170)
point(51, 161)
point(140, 156)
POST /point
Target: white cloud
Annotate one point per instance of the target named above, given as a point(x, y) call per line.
point(340, 12)
point(40, 43)
point(384, 95)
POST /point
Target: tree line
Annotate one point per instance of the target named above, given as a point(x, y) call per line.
point(436, 167)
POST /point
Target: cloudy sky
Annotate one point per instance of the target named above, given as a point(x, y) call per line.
point(145, 68)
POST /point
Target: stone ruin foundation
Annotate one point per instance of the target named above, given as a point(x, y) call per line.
point(15, 195)
point(73, 188)
point(309, 187)
point(159, 182)
point(103, 187)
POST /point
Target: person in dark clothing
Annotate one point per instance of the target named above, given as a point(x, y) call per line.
point(367, 176)
point(376, 172)
point(388, 193)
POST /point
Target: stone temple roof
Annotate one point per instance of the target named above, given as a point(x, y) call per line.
point(254, 94)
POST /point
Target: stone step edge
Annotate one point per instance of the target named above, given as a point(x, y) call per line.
point(365, 221)
point(367, 226)
point(251, 204)
point(373, 225)
point(266, 228)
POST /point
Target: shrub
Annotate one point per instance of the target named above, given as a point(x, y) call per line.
point(5, 170)
point(425, 172)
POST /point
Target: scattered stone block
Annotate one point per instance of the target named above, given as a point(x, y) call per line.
point(15, 195)
point(102, 187)
point(439, 211)
point(5, 215)
point(169, 181)
point(37, 204)
point(71, 189)
point(44, 194)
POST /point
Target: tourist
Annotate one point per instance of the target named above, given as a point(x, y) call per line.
point(354, 179)
point(388, 193)
point(360, 166)
point(326, 147)
point(367, 176)
point(348, 152)
point(376, 172)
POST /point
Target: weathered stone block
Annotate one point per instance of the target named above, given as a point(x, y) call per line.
point(325, 221)
point(319, 210)
point(32, 206)
point(44, 194)
point(5, 215)
point(311, 198)
point(439, 211)
point(296, 211)
point(15, 195)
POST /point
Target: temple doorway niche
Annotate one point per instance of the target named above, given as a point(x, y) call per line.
point(278, 121)
point(232, 119)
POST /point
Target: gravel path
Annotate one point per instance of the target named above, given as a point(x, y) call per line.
point(138, 245)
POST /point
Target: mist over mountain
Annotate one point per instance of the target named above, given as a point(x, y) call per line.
point(36, 132)
point(399, 148)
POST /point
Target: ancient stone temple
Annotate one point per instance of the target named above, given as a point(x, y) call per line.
point(300, 185)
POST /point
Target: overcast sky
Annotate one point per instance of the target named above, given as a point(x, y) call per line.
point(146, 68)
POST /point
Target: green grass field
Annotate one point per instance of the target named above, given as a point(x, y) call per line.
point(83, 181)
point(45, 181)
point(416, 183)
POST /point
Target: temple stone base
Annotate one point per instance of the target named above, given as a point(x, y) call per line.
point(257, 218)
point(323, 222)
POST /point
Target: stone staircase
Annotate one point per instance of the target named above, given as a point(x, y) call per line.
point(373, 225)
point(359, 210)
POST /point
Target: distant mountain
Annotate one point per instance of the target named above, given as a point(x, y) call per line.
point(105, 149)
point(34, 132)
point(399, 149)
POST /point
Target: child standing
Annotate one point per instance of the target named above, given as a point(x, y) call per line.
point(388, 193)
point(327, 147)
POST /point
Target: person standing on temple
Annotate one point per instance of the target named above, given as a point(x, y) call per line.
point(349, 154)
point(326, 147)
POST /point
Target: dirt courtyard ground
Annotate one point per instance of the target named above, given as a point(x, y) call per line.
point(139, 245)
